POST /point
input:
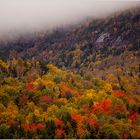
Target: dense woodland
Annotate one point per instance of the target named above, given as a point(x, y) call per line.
point(81, 82)
point(42, 101)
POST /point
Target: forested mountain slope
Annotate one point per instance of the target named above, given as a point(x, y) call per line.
point(46, 102)
point(108, 48)
point(80, 82)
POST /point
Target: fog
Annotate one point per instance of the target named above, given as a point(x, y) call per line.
point(18, 16)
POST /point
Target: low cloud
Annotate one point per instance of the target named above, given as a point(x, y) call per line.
point(17, 16)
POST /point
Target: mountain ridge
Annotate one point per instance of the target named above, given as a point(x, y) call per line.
point(98, 47)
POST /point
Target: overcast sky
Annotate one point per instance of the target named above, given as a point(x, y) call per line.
point(31, 15)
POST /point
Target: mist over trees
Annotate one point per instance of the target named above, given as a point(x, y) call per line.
point(79, 81)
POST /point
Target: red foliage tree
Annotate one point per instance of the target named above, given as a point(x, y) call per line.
point(40, 126)
point(90, 122)
point(29, 87)
point(33, 127)
point(26, 127)
point(76, 117)
point(120, 93)
point(103, 106)
point(59, 123)
point(46, 99)
point(134, 116)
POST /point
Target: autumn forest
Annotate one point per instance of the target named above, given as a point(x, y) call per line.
point(78, 83)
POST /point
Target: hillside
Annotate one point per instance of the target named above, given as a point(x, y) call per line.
point(77, 82)
point(106, 48)
point(58, 104)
